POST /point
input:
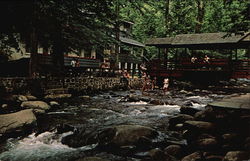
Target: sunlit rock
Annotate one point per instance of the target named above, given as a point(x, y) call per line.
point(16, 121)
point(31, 98)
point(57, 96)
point(236, 156)
point(36, 105)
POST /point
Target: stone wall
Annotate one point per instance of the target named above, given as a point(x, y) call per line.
point(24, 85)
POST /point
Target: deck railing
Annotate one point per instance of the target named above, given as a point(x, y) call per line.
point(238, 68)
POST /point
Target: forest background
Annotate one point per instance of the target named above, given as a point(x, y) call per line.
point(67, 25)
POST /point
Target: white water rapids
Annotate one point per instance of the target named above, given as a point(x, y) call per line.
point(47, 144)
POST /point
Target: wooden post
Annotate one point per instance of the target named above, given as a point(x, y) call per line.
point(159, 53)
point(166, 57)
point(236, 54)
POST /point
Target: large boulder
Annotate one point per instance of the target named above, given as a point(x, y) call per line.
point(16, 122)
point(36, 105)
point(199, 125)
point(124, 135)
point(114, 136)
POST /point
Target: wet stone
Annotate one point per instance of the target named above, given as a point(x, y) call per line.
point(207, 143)
point(237, 156)
point(159, 155)
point(196, 156)
point(174, 150)
point(156, 102)
point(214, 158)
point(189, 110)
point(199, 125)
point(179, 119)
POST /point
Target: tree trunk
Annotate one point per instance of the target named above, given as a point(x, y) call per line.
point(200, 15)
point(58, 53)
point(117, 34)
point(33, 64)
point(33, 71)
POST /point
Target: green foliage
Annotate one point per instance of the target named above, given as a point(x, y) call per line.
point(72, 23)
point(149, 16)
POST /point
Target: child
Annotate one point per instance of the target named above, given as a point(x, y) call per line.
point(165, 85)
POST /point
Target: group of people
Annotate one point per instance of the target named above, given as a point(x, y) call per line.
point(149, 84)
point(205, 62)
point(206, 59)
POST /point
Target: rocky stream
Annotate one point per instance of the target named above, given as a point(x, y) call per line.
point(128, 126)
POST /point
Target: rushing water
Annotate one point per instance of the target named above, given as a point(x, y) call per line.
point(102, 110)
point(44, 146)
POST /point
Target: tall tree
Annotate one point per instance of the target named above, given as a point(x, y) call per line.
point(63, 25)
point(200, 15)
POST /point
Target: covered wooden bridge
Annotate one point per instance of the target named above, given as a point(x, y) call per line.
point(181, 66)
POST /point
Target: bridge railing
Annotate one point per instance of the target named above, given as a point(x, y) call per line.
point(239, 68)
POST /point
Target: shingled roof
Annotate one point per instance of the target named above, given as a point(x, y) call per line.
point(203, 40)
point(131, 42)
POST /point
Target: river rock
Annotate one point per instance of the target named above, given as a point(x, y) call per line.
point(205, 115)
point(85, 97)
point(156, 102)
point(18, 121)
point(124, 135)
point(22, 98)
point(179, 119)
point(57, 96)
point(188, 110)
point(236, 156)
point(214, 158)
point(174, 150)
point(31, 98)
point(92, 159)
point(159, 155)
point(54, 104)
point(4, 106)
point(196, 156)
point(133, 98)
point(38, 105)
point(207, 143)
point(199, 125)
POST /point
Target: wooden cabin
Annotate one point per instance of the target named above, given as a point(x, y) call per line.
point(181, 66)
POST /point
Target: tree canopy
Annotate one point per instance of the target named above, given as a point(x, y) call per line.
point(68, 25)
